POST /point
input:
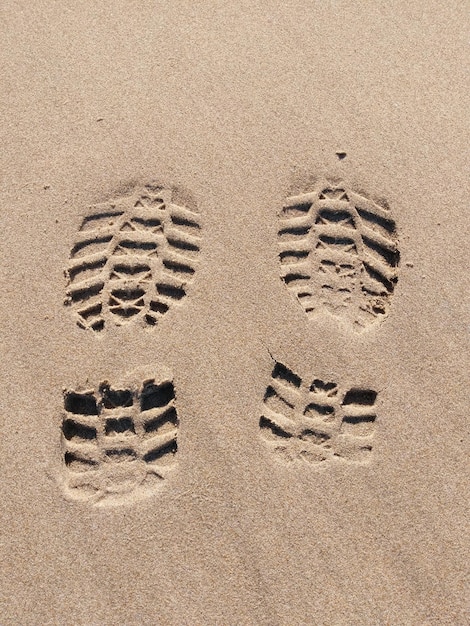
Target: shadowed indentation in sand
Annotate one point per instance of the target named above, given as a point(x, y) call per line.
point(339, 252)
point(133, 259)
point(116, 440)
point(317, 422)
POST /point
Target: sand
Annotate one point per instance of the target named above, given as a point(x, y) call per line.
point(264, 418)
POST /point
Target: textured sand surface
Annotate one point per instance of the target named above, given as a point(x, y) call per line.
point(235, 107)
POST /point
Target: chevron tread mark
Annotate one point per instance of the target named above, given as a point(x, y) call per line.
point(318, 422)
point(119, 440)
point(339, 252)
point(133, 260)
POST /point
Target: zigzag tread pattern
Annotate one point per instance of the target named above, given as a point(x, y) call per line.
point(318, 423)
point(339, 252)
point(119, 441)
point(132, 260)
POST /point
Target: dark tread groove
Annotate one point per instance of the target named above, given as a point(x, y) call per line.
point(320, 422)
point(123, 257)
point(125, 434)
point(341, 249)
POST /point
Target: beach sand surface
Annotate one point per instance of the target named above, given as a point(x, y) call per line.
point(311, 465)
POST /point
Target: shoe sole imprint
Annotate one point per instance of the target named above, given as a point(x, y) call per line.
point(339, 252)
point(319, 422)
point(133, 259)
point(119, 441)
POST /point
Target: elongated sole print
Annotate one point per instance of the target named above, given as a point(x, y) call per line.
point(119, 440)
point(133, 259)
point(318, 423)
point(339, 252)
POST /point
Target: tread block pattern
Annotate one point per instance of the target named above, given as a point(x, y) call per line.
point(132, 260)
point(319, 422)
point(119, 440)
point(339, 252)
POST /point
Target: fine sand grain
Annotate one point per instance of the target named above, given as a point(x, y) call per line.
point(234, 313)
